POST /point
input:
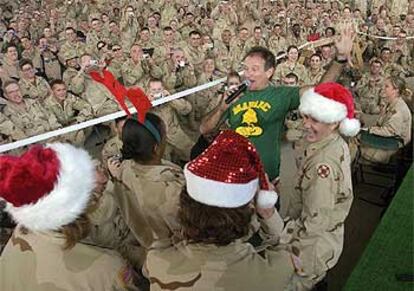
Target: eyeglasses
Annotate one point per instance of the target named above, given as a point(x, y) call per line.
point(116, 49)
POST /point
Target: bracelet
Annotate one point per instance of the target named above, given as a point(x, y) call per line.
point(339, 61)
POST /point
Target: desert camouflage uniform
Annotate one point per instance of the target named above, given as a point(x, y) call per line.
point(139, 74)
point(252, 42)
point(102, 101)
point(67, 47)
point(313, 78)
point(196, 57)
point(179, 144)
point(74, 81)
point(285, 68)
point(109, 229)
point(149, 200)
point(277, 44)
point(395, 120)
point(73, 110)
point(237, 51)
point(392, 69)
point(295, 134)
point(178, 80)
point(47, 267)
point(223, 57)
point(33, 55)
point(129, 29)
point(236, 266)
point(203, 101)
point(38, 90)
point(51, 65)
point(115, 67)
point(11, 71)
point(318, 208)
point(34, 119)
point(369, 91)
point(297, 41)
point(9, 129)
point(110, 149)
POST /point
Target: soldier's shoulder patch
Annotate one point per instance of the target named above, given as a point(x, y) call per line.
point(323, 170)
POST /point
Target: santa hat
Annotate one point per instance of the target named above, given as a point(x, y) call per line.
point(48, 186)
point(329, 103)
point(228, 174)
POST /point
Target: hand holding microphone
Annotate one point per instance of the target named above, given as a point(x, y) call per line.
point(237, 91)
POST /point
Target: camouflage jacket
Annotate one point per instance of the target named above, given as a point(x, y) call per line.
point(395, 120)
point(319, 206)
point(47, 267)
point(148, 198)
point(236, 266)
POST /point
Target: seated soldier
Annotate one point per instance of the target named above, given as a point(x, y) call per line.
point(45, 246)
point(68, 109)
point(394, 121)
point(32, 86)
point(221, 197)
point(28, 115)
point(178, 142)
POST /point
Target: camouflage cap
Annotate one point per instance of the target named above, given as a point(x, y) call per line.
point(70, 54)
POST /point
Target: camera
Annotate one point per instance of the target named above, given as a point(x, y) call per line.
point(93, 63)
point(148, 51)
point(117, 157)
point(158, 95)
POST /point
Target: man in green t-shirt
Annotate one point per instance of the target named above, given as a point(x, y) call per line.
point(259, 113)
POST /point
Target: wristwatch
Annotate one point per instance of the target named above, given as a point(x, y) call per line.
point(340, 60)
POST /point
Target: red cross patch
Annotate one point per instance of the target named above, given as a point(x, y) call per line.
point(323, 171)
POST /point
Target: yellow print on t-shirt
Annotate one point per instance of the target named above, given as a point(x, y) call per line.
point(249, 126)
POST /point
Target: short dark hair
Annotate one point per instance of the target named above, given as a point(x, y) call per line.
point(9, 46)
point(145, 28)
point(55, 82)
point(194, 32)
point(70, 28)
point(155, 80)
point(265, 54)
point(212, 225)
point(8, 83)
point(168, 28)
point(292, 47)
point(138, 141)
point(385, 49)
point(316, 55)
point(292, 76)
point(330, 28)
point(233, 74)
point(24, 62)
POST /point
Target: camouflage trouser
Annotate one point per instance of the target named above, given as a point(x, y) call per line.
point(299, 283)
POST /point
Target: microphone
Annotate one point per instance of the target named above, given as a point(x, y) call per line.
point(240, 89)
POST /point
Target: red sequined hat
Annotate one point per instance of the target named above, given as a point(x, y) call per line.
point(228, 174)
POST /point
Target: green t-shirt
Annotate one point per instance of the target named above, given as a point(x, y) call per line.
point(259, 116)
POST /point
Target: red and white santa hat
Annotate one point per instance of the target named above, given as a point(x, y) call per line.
point(329, 103)
point(228, 174)
point(48, 186)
